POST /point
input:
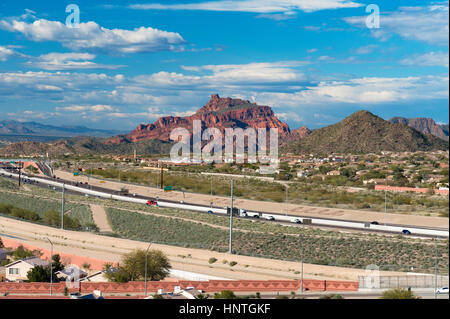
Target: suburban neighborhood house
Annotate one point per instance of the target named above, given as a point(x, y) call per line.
point(72, 273)
point(18, 270)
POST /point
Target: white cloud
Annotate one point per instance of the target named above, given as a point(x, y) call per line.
point(372, 91)
point(84, 108)
point(68, 61)
point(428, 59)
point(366, 49)
point(278, 16)
point(428, 24)
point(93, 38)
point(256, 6)
point(290, 116)
point(7, 52)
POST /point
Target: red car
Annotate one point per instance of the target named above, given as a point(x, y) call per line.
point(152, 203)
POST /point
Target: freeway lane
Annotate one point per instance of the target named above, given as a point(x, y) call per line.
point(113, 194)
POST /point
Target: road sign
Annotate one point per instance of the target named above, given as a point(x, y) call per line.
point(168, 188)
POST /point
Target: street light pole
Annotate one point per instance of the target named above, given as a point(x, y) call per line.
point(51, 266)
point(435, 269)
point(146, 261)
point(62, 207)
point(301, 274)
point(385, 207)
point(286, 200)
point(231, 219)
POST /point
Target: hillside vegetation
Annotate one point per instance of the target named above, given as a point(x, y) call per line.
point(363, 132)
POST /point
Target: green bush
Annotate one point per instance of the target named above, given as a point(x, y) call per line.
point(398, 293)
point(212, 260)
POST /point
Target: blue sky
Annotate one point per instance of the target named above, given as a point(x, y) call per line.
point(314, 62)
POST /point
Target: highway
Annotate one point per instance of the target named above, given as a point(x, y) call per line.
point(100, 192)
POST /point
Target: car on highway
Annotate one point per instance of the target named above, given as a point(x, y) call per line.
point(134, 194)
point(151, 203)
point(181, 201)
point(375, 223)
point(443, 290)
point(406, 232)
point(270, 217)
point(210, 212)
point(296, 221)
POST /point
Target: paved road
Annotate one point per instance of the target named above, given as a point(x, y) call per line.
point(318, 222)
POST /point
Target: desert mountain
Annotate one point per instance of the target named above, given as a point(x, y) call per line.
point(220, 113)
point(424, 125)
point(364, 132)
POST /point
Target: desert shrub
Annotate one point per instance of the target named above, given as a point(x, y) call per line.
point(398, 293)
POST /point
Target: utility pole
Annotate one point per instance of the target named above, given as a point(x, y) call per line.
point(301, 273)
point(62, 207)
point(435, 268)
point(286, 199)
point(231, 219)
point(20, 170)
point(385, 206)
point(51, 266)
point(162, 177)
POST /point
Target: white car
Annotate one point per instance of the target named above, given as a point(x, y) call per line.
point(296, 221)
point(270, 218)
point(443, 290)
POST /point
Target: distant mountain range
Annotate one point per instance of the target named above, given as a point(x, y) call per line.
point(364, 132)
point(86, 146)
point(38, 129)
point(424, 125)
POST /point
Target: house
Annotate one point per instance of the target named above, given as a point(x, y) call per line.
point(3, 254)
point(72, 273)
point(18, 270)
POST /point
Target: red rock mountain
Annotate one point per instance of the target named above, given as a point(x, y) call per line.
point(424, 125)
point(220, 113)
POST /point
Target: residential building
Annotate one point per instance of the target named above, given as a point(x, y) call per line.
point(18, 270)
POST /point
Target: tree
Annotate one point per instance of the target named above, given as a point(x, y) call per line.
point(225, 294)
point(158, 266)
point(39, 274)
point(398, 293)
point(132, 267)
point(57, 264)
point(21, 253)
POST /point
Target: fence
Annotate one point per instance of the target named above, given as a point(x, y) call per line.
point(413, 281)
point(207, 286)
